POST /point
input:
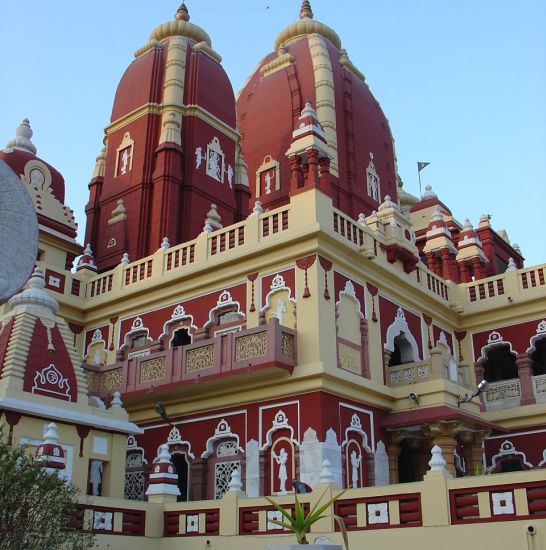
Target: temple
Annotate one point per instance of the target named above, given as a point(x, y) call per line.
point(257, 300)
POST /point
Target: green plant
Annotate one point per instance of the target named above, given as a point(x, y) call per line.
point(36, 507)
point(300, 523)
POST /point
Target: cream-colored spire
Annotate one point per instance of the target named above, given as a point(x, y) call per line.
point(100, 164)
point(306, 12)
point(22, 138)
point(35, 294)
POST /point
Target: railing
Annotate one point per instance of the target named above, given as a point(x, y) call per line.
point(506, 393)
point(539, 388)
point(138, 271)
point(498, 503)
point(274, 222)
point(270, 345)
point(107, 520)
point(226, 239)
point(179, 256)
point(100, 286)
point(436, 285)
point(433, 502)
point(481, 290)
point(409, 373)
point(532, 277)
point(348, 228)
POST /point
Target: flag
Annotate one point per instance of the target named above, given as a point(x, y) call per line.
point(421, 165)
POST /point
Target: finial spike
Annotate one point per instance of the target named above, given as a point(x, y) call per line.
point(182, 13)
point(306, 12)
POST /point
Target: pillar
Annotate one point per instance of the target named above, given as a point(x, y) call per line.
point(447, 443)
point(296, 173)
point(525, 372)
point(478, 268)
point(465, 275)
point(445, 264)
point(313, 174)
point(393, 452)
point(324, 181)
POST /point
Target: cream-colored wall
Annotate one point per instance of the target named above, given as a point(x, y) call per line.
point(436, 532)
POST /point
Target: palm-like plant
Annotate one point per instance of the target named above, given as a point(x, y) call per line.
point(300, 523)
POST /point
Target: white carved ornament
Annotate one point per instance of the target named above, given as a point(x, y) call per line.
point(355, 426)
point(278, 282)
point(175, 438)
point(222, 431)
point(50, 380)
point(279, 422)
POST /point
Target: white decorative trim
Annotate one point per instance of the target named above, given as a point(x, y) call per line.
point(222, 431)
point(280, 422)
point(542, 463)
point(507, 448)
point(224, 300)
point(349, 292)
point(127, 143)
point(103, 521)
point(52, 375)
point(192, 523)
point(215, 160)
point(373, 182)
point(540, 334)
point(378, 513)
point(494, 338)
point(278, 285)
point(503, 503)
point(400, 326)
point(178, 314)
point(363, 411)
point(356, 427)
point(175, 438)
point(136, 327)
point(65, 414)
point(495, 342)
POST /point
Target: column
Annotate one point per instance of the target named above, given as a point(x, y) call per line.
point(393, 451)
point(525, 372)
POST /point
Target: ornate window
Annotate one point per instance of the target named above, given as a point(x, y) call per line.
point(135, 477)
point(222, 476)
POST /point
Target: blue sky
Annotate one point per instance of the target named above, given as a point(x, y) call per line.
point(463, 83)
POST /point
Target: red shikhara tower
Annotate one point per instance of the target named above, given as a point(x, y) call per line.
point(171, 148)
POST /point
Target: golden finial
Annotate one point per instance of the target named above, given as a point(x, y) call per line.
point(306, 12)
point(182, 13)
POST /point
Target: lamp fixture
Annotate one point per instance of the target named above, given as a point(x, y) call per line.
point(482, 386)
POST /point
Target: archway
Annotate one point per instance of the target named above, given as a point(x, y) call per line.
point(181, 337)
point(500, 364)
point(403, 351)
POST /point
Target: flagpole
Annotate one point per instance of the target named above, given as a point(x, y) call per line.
point(419, 174)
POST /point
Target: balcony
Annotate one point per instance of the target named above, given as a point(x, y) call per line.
point(267, 347)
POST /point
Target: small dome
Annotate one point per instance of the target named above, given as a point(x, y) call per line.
point(20, 150)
